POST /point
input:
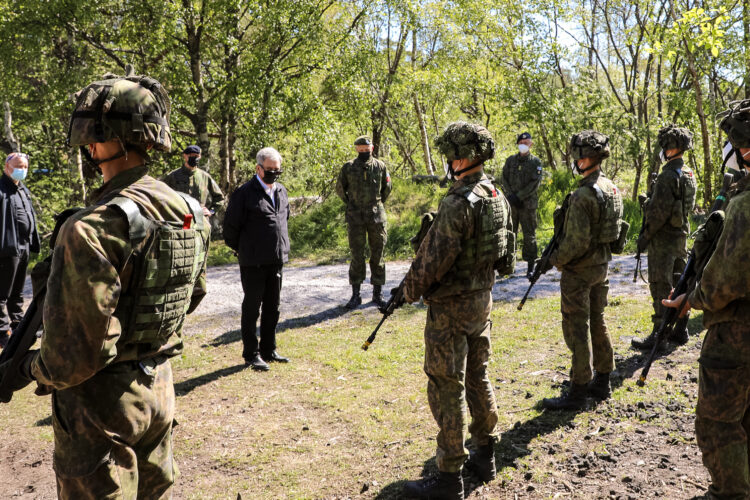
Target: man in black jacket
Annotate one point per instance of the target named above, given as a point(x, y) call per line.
point(255, 226)
point(18, 237)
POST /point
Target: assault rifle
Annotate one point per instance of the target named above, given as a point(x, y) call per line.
point(396, 301)
point(652, 180)
point(686, 283)
point(24, 335)
point(542, 264)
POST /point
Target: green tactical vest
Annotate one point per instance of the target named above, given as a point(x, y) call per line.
point(607, 228)
point(492, 241)
point(684, 205)
point(166, 262)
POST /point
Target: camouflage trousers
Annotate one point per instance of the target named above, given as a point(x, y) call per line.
point(359, 235)
point(722, 418)
point(457, 349)
point(113, 434)
point(583, 297)
point(526, 219)
point(667, 256)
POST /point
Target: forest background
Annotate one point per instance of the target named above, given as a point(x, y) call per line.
point(308, 76)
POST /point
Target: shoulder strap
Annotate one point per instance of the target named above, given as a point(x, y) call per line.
point(137, 223)
point(195, 209)
point(599, 194)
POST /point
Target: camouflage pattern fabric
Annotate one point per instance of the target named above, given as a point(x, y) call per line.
point(667, 257)
point(453, 225)
point(583, 297)
point(462, 140)
point(359, 235)
point(521, 176)
point(364, 186)
point(457, 350)
point(722, 417)
point(664, 209)
point(577, 249)
point(197, 183)
point(82, 356)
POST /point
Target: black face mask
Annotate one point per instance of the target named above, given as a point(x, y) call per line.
point(364, 156)
point(270, 176)
point(192, 161)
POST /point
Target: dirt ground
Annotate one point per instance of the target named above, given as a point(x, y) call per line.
point(632, 446)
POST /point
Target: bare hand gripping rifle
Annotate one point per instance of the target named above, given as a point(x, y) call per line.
point(693, 269)
point(542, 265)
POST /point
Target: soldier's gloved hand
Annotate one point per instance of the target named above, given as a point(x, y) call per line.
point(546, 266)
point(23, 376)
point(642, 243)
point(399, 299)
point(642, 198)
point(514, 200)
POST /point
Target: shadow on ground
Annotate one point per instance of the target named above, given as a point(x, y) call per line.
point(188, 385)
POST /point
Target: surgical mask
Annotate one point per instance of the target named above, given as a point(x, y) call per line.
point(730, 159)
point(574, 167)
point(662, 156)
point(19, 174)
point(270, 176)
point(523, 148)
point(448, 168)
point(364, 156)
point(193, 161)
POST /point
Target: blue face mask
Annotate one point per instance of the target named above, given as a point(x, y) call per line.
point(19, 174)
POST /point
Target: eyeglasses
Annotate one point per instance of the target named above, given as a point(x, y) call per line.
point(11, 156)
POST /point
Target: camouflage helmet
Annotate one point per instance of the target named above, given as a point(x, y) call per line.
point(466, 140)
point(674, 137)
point(736, 123)
point(589, 143)
point(362, 140)
point(134, 109)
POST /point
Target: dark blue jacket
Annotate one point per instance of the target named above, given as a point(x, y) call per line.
point(255, 228)
point(8, 221)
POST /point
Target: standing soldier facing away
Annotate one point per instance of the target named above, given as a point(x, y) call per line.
point(364, 184)
point(124, 273)
point(722, 415)
point(667, 214)
point(592, 222)
point(454, 270)
point(196, 182)
point(521, 177)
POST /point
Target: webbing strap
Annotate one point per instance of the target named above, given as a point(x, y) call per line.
point(195, 208)
point(137, 223)
point(117, 115)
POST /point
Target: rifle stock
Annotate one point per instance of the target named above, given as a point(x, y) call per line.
point(394, 302)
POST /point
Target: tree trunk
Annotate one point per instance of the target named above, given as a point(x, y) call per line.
point(746, 43)
point(425, 139)
point(81, 179)
point(10, 139)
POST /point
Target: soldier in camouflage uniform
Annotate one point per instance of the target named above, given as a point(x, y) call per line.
point(105, 349)
point(364, 184)
point(667, 214)
point(196, 182)
point(521, 177)
point(592, 222)
point(722, 416)
point(454, 270)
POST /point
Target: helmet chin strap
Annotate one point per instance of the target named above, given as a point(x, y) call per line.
point(456, 173)
point(87, 155)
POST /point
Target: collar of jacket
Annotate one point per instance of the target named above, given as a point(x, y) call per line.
point(675, 164)
point(186, 171)
point(591, 179)
point(8, 183)
point(469, 179)
point(119, 181)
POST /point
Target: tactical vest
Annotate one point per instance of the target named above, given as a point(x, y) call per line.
point(684, 205)
point(607, 228)
point(490, 241)
point(167, 259)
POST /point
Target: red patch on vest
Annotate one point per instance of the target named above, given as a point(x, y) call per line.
point(387, 178)
point(494, 193)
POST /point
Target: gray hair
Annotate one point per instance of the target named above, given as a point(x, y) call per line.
point(13, 156)
point(267, 153)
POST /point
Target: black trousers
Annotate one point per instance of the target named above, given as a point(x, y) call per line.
point(12, 278)
point(262, 287)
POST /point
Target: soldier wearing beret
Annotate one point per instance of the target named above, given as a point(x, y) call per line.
point(667, 214)
point(521, 177)
point(364, 185)
point(196, 182)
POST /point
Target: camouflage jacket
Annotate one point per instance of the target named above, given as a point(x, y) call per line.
point(197, 183)
point(364, 187)
point(453, 225)
point(723, 291)
point(577, 249)
point(522, 176)
point(663, 210)
point(91, 268)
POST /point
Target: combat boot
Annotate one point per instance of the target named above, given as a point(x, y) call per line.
point(599, 387)
point(679, 334)
point(356, 299)
point(530, 270)
point(442, 486)
point(648, 342)
point(481, 463)
point(377, 296)
point(574, 399)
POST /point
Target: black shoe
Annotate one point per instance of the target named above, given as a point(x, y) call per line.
point(574, 399)
point(377, 296)
point(599, 387)
point(646, 343)
point(274, 357)
point(679, 335)
point(257, 363)
point(356, 299)
point(481, 463)
point(443, 486)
